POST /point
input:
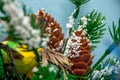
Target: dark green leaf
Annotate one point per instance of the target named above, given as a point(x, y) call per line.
point(6, 18)
point(1, 7)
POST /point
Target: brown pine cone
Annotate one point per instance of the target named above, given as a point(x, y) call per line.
point(53, 29)
point(78, 51)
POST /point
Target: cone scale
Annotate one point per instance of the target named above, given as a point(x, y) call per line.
point(78, 51)
point(53, 29)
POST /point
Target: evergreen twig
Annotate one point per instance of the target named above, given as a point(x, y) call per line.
point(106, 53)
point(115, 34)
point(95, 27)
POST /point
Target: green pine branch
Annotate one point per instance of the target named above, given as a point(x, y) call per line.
point(25, 10)
point(95, 27)
point(106, 53)
point(115, 32)
point(79, 2)
point(14, 37)
point(33, 22)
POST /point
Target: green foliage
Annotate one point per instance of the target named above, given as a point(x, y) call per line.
point(6, 18)
point(2, 74)
point(79, 2)
point(25, 10)
point(110, 61)
point(115, 32)
point(1, 6)
point(95, 27)
point(12, 44)
point(76, 12)
point(14, 37)
point(99, 67)
point(45, 73)
point(33, 22)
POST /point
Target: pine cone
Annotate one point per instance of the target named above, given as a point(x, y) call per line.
point(78, 51)
point(53, 29)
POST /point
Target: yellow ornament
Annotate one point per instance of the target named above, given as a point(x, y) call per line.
point(24, 59)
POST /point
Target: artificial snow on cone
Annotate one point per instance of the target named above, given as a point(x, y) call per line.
point(78, 51)
point(52, 29)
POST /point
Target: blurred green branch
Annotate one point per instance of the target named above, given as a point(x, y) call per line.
point(106, 53)
point(2, 72)
point(115, 34)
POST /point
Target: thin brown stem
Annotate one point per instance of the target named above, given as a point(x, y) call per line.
point(13, 63)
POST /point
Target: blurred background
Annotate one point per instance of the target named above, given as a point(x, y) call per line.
point(62, 9)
